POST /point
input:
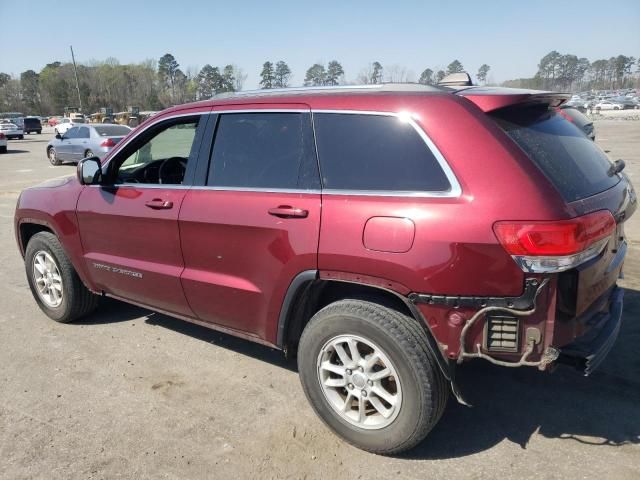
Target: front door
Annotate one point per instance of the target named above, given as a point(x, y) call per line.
point(129, 224)
point(255, 224)
point(64, 149)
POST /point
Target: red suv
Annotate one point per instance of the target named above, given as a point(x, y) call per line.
point(385, 234)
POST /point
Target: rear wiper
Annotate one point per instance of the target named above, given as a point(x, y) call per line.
point(616, 168)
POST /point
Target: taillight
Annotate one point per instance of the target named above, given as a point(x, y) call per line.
point(555, 246)
point(108, 143)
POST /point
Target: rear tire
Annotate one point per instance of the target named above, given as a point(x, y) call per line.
point(3, 149)
point(415, 393)
point(53, 159)
point(20, 137)
point(71, 299)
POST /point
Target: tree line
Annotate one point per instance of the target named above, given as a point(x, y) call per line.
point(154, 85)
point(568, 72)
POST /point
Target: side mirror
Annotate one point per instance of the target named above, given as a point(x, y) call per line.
point(58, 136)
point(89, 171)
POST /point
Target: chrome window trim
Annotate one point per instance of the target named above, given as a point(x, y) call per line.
point(453, 192)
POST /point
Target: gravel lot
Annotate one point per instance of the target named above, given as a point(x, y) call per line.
point(131, 394)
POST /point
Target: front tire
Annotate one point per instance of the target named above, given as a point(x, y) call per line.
point(54, 283)
point(369, 374)
point(53, 159)
point(88, 153)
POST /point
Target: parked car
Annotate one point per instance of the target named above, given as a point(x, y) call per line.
point(65, 124)
point(607, 105)
point(625, 102)
point(53, 121)
point(32, 124)
point(385, 233)
point(85, 141)
point(581, 121)
point(3, 143)
point(11, 130)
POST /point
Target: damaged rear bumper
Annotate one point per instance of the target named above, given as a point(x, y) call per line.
point(588, 351)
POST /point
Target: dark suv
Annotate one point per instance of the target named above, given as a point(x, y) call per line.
point(31, 125)
point(385, 234)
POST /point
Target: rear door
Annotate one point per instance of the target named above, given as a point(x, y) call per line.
point(254, 223)
point(129, 224)
point(80, 144)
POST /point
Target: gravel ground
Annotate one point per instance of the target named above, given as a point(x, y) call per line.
point(132, 394)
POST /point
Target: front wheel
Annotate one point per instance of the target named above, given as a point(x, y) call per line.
point(88, 154)
point(55, 285)
point(53, 159)
point(369, 374)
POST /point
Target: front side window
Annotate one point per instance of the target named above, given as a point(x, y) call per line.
point(375, 153)
point(71, 133)
point(263, 150)
point(160, 156)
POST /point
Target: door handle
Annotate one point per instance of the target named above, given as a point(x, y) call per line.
point(286, 211)
point(159, 204)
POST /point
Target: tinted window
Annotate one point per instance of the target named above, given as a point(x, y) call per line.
point(112, 130)
point(570, 160)
point(263, 150)
point(32, 122)
point(375, 152)
point(83, 132)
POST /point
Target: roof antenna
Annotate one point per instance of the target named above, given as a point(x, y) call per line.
point(460, 79)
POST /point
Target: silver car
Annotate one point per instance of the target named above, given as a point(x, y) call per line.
point(11, 130)
point(85, 141)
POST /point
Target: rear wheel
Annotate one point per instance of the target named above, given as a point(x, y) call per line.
point(51, 154)
point(54, 283)
point(20, 137)
point(369, 374)
point(3, 149)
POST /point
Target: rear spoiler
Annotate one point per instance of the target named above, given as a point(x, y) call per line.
point(490, 98)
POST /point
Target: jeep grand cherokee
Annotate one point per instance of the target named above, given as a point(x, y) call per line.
point(384, 234)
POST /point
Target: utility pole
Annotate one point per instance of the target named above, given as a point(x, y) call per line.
point(75, 69)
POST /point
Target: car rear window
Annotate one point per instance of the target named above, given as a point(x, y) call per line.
point(31, 121)
point(112, 130)
point(375, 153)
point(575, 165)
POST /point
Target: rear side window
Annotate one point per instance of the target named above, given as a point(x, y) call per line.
point(264, 150)
point(375, 153)
point(575, 165)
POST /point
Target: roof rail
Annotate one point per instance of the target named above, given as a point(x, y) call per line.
point(377, 87)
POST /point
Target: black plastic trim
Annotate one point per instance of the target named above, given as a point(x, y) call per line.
point(296, 283)
point(523, 302)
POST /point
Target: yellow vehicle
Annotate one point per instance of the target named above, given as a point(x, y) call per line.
point(105, 115)
point(130, 118)
point(73, 113)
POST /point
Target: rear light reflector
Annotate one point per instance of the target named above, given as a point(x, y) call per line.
point(108, 143)
point(557, 245)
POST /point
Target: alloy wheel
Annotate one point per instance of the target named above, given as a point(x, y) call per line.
point(359, 381)
point(47, 279)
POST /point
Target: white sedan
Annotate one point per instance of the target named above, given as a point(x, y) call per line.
point(66, 123)
point(607, 105)
point(11, 130)
point(3, 143)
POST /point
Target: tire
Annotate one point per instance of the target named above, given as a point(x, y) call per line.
point(3, 149)
point(419, 387)
point(20, 137)
point(75, 300)
point(39, 132)
point(88, 153)
point(53, 159)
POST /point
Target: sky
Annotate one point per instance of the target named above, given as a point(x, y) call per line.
point(510, 36)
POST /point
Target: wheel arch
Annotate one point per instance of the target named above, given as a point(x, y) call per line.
point(308, 293)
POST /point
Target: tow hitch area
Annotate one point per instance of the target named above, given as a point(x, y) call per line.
point(587, 352)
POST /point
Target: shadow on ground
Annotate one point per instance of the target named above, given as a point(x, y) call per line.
point(17, 151)
point(512, 404)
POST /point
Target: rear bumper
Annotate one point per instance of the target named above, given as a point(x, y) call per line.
point(588, 351)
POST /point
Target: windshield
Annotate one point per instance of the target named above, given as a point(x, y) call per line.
point(571, 161)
